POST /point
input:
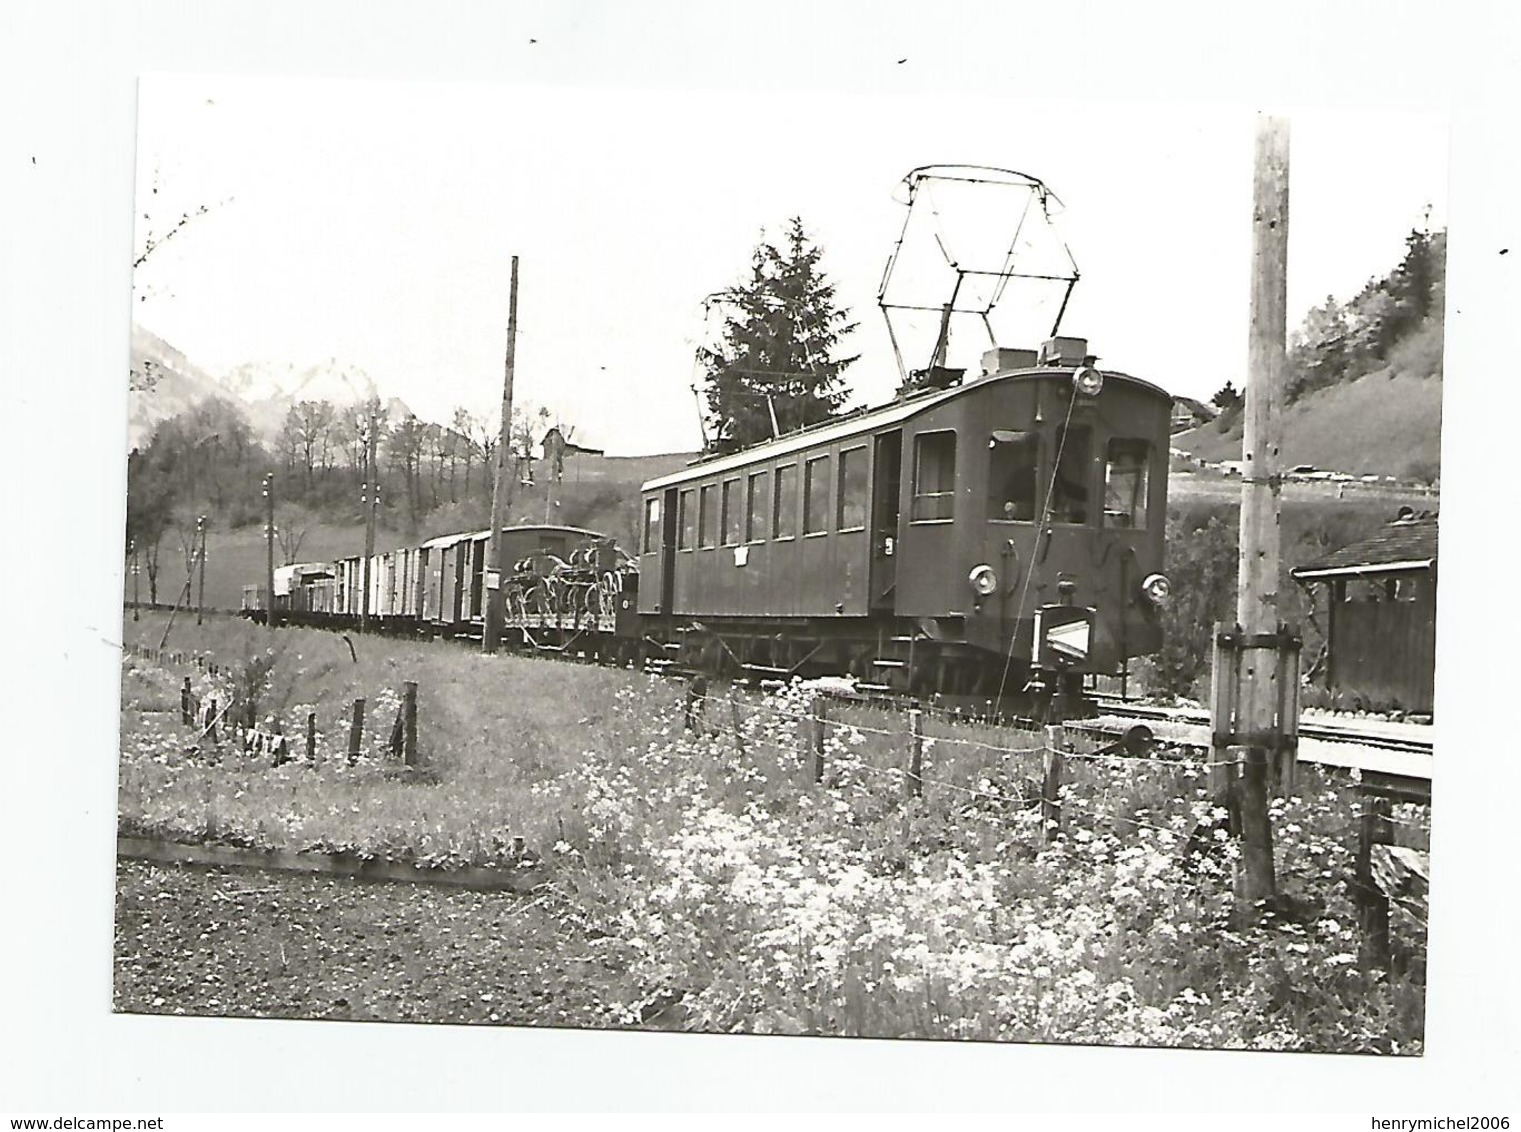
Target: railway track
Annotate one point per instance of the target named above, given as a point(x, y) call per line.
point(1378, 739)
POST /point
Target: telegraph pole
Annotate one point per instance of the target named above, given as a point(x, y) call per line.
point(200, 598)
point(1255, 701)
point(269, 547)
point(369, 498)
point(491, 634)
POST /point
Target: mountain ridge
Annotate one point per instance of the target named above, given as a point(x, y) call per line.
point(166, 382)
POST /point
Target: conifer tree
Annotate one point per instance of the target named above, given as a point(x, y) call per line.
point(777, 349)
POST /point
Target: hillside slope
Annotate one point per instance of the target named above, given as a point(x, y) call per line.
point(175, 385)
point(1388, 422)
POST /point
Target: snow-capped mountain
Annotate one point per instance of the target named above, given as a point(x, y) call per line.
point(266, 391)
point(329, 380)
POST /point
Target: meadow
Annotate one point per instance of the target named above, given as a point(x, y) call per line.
point(727, 884)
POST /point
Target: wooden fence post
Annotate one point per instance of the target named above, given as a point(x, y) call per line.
point(915, 752)
point(820, 722)
point(398, 734)
point(356, 731)
point(409, 706)
point(697, 692)
point(211, 722)
point(739, 735)
point(1374, 828)
point(311, 737)
point(1053, 761)
point(185, 703)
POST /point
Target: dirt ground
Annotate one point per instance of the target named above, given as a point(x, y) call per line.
point(269, 945)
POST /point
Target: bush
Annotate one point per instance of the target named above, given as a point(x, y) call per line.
point(1422, 471)
point(1201, 563)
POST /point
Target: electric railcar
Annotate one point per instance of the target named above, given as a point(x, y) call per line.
point(999, 538)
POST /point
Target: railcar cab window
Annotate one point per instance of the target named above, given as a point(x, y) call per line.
point(934, 476)
point(1013, 458)
point(686, 520)
point(784, 509)
point(651, 524)
point(1125, 483)
point(707, 519)
point(1069, 490)
point(755, 508)
point(852, 495)
point(732, 519)
point(816, 495)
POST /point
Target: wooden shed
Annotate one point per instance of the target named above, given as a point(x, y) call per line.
point(1381, 603)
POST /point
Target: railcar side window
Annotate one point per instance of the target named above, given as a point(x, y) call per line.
point(851, 515)
point(1069, 493)
point(707, 526)
point(755, 508)
point(784, 513)
point(686, 520)
point(934, 476)
point(732, 517)
point(1013, 458)
point(651, 523)
point(1125, 476)
point(816, 495)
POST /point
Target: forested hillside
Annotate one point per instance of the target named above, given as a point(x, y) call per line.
point(1365, 378)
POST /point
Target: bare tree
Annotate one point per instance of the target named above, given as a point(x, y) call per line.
point(464, 448)
point(291, 525)
point(405, 446)
point(309, 423)
point(485, 432)
point(155, 235)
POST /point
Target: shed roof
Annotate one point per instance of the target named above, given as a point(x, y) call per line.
point(1405, 544)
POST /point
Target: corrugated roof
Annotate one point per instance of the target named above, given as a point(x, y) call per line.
point(1404, 544)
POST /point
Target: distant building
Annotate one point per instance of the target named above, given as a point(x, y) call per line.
point(1381, 623)
point(555, 441)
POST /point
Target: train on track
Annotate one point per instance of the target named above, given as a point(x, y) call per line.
point(993, 539)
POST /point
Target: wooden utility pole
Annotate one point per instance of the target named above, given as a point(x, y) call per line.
point(369, 498)
point(1254, 696)
point(200, 598)
point(269, 547)
point(491, 634)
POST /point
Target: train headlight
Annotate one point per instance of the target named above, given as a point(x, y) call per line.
point(1088, 381)
point(983, 579)
point(1157, 589)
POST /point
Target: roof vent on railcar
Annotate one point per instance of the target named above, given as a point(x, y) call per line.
point(1064, 352)
point(1001, 359)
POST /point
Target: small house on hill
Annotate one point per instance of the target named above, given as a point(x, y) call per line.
point(1381, 605)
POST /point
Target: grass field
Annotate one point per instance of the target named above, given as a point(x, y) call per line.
point(719, 875)
point(1385, 423)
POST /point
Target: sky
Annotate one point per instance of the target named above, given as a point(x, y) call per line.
point(373, 223)
point(694, 89)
